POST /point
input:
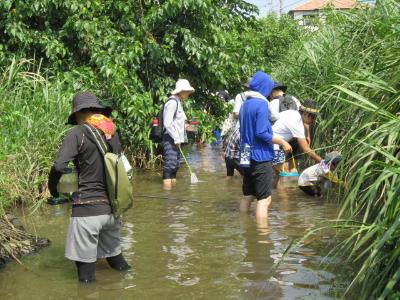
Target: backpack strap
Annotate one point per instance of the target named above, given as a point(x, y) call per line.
point(243, 96)
point(177, 104)
point(101, 144)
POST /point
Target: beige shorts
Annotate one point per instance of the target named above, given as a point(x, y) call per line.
point(89, 238)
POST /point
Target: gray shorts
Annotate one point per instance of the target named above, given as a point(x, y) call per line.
point(89, 238)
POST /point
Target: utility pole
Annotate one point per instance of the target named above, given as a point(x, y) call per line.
point(280, 7)
point(269, 7)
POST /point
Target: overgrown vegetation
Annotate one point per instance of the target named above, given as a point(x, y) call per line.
point(31, 129)
point(129, 54)
point(352, 66)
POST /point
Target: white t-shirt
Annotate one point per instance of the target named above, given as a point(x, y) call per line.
point(289, 126)
point(312, 174)
point(274, 108)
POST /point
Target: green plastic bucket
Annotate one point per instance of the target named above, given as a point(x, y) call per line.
point(68, 182)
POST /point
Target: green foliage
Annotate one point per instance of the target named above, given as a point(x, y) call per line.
point(129, 53)
point(351, 67)
point(30, 129)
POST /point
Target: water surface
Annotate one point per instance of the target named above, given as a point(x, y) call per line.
point(193, 245)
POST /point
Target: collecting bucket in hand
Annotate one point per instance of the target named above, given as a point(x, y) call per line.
point(68, 182)
point(291, 178)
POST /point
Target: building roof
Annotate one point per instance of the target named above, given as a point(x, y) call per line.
point(320, 4)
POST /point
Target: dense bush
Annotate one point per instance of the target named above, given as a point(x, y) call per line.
point(130, 53)
point(351, 66)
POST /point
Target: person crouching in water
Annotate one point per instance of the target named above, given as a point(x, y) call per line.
point(174, 122)
point(93, 230)
point(319, 176)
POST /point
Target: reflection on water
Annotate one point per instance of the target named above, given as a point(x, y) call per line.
point(180, 264)
point(186, 249)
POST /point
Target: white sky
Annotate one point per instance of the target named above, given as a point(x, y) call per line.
point(266, 6)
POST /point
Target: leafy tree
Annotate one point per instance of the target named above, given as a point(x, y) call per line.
point(130, 53)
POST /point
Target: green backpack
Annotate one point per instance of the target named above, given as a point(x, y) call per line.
point(119, 188)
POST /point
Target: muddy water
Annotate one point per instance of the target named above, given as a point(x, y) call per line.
point(184, 249)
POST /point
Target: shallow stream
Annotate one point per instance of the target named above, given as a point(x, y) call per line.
point(184, 249)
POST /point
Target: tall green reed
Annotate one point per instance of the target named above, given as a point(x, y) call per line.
point(351, 66)
point(33, 112)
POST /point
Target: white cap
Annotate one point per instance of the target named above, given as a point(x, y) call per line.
point(182, 85)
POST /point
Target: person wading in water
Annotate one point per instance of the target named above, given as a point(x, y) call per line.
point(93, 231)
point(174, 122)
point(256, 147)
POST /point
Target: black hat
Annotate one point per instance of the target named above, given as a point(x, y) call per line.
point(224, 95)
point(278, 86)
point(84, 100)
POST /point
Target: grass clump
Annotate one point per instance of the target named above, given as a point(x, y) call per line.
point(351, 66)
point(34, 112)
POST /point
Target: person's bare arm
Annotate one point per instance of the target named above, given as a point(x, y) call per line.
point(285, 145)
point(307, 133)
point(307, 150)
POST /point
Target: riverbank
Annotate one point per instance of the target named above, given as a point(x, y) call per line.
point(15, 242)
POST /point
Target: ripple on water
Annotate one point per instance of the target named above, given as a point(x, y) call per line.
point(208, 246)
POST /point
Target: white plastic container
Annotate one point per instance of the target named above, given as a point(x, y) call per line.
point(288, 179)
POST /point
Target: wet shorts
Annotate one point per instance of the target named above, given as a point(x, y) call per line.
point(257, 179)
point(93, 237)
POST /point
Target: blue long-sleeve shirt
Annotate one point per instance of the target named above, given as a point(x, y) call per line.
point(256, 130)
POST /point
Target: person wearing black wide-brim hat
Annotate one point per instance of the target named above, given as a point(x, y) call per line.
point(84, 102)
point(93, 231)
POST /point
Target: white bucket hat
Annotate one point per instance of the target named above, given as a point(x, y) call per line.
point(182, 85)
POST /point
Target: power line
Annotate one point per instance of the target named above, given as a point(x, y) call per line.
point(292, 4)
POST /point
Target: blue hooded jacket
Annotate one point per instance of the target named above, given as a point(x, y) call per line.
point(255, 128)
point(261, 82)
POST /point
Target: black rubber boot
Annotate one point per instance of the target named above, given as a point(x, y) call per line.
point(86, 271)
point(118, 262)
